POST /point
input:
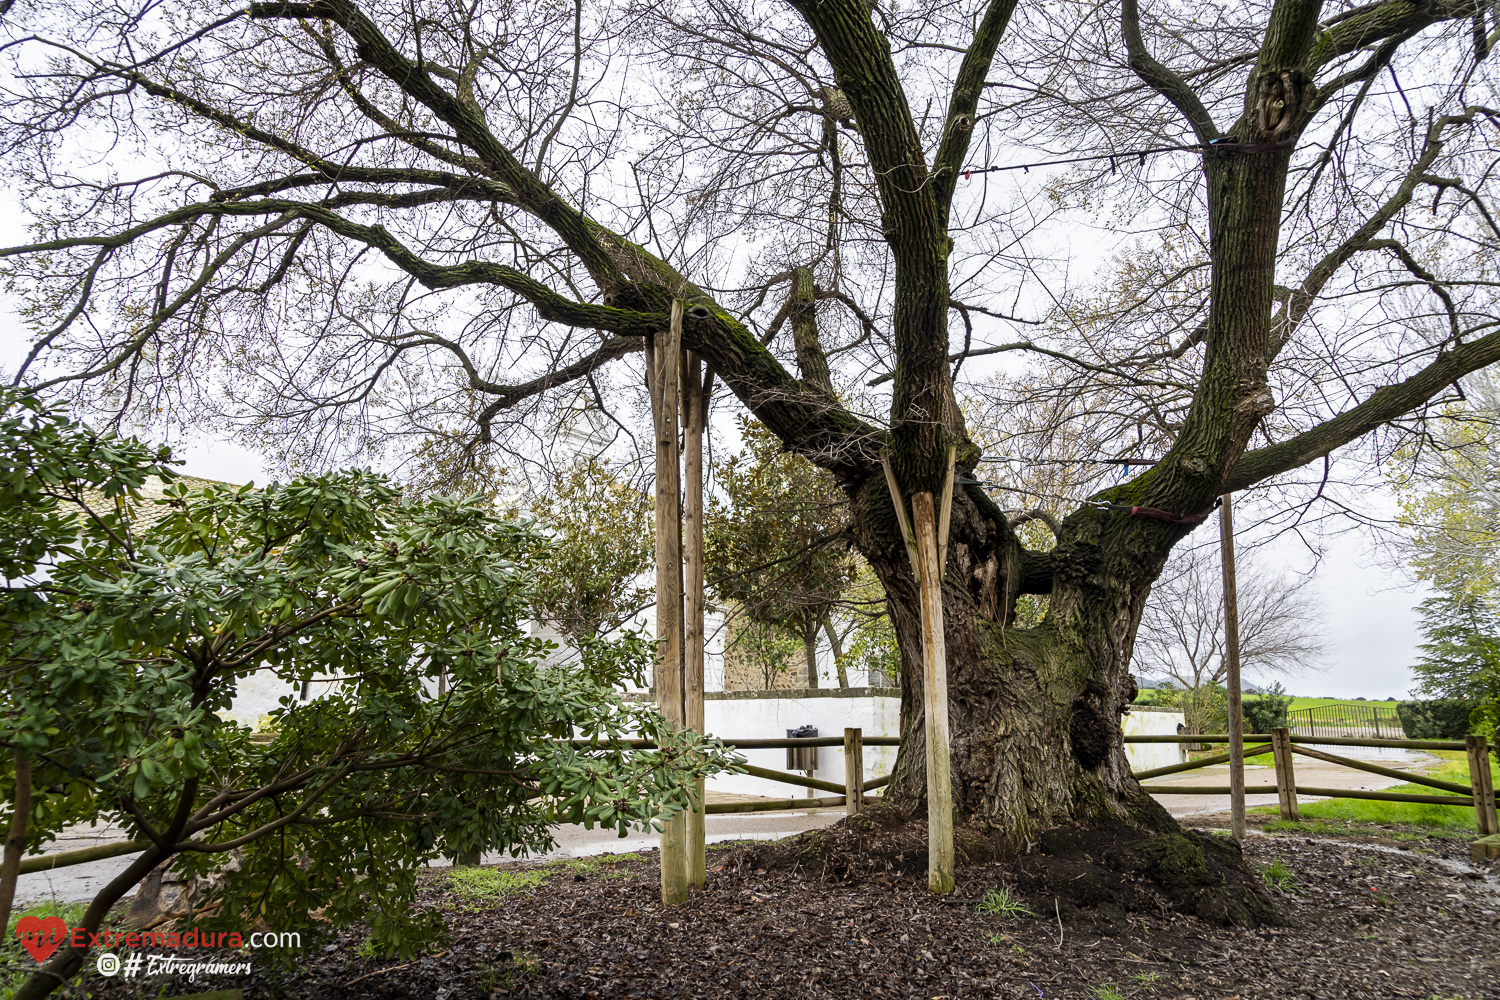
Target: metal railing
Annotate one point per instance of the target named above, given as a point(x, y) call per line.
point(1348, 721)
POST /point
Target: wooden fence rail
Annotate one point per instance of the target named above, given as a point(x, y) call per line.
point(1331, 793)
point(1332, 741)
point(1478, 795)
point(1189, 765)
point(852, 743)
point(766, 744)
point(81, 855)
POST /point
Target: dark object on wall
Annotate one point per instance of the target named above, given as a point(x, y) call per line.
point(1436, 718)
point(802, 758)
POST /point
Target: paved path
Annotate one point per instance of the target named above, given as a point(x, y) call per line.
point(79, 882)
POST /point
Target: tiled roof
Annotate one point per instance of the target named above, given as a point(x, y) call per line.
point(148, 514)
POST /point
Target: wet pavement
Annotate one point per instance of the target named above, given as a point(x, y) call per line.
point(78, 883)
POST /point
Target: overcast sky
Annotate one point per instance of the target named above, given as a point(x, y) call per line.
point(1372, 624)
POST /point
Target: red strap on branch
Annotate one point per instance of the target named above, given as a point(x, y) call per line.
point(1158, 514)
point(1163, 515)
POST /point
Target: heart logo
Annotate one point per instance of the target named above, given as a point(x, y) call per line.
point(41, 937)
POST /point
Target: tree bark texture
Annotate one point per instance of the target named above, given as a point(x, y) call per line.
point(15, 841)
point(1033, 713)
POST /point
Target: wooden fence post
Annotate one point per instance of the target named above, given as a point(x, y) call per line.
point(1483, 786)
point(854, 771)
point(694, 404)
point(1286, 777)
point(663, 360)
point(1232, 672)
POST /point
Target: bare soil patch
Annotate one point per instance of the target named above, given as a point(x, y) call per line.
point(1363, 920)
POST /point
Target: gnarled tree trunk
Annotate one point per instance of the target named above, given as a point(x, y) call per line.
point(1034, 713)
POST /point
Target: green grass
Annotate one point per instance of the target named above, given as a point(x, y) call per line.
point(15, 962)
point(1148, 697)
point(1000, 901)
point(603, 865)
point(1278, 876)
point(1391, 831)
point(1107, 991)
point(1449, 819)
point(478, 884)
point(1300, 703)
point(1146, 980)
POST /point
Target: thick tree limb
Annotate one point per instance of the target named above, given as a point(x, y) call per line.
point(802, 307)
point(1037, 514)
point(1161, 78)
point(1300, 301)
point(1384, 405)
point(468, 124)
point(1373, 23)
point(967, 89)
point(550, 305)
point(15, 842)
point(923, 413)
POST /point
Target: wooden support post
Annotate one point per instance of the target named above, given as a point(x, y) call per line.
point(694, 405)
point(1483, 786)
point(663, 360)
point(927, 549)
point(854, 771)
point(1232, 681)
point(934, 699)
point(1286, 775)
point(902, 519)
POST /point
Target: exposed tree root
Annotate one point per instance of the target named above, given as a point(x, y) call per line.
point(1095, 874)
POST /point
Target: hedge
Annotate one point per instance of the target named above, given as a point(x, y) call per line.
point(1436, 718)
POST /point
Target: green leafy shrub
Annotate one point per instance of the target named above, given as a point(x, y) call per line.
point(1205, 708)
point(1436, 718)
point(1267, 711)
point(130, 619)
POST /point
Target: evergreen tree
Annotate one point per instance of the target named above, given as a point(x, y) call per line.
point(1461, 657)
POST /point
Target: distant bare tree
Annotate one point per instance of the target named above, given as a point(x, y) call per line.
point(1182, 631)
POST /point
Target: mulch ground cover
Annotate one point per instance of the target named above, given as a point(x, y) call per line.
point(1365, 918)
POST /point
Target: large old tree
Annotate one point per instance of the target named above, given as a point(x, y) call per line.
point(349, 223)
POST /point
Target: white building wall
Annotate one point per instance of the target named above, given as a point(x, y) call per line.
point(1153, 722)
point(751, 715)
point(257, 695)
point(747, 716)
